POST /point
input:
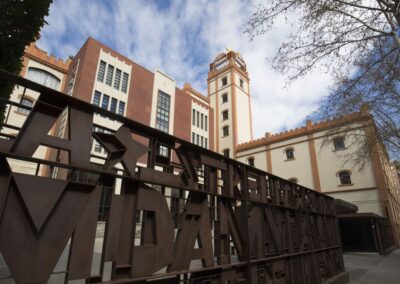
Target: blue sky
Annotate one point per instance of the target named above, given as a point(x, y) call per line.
point(181, 38)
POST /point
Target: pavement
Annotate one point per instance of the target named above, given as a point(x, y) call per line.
point(372, 268)
point(364, 268)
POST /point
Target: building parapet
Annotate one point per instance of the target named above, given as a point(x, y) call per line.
point(309, 128)
point(34, 52)
point(187, 87)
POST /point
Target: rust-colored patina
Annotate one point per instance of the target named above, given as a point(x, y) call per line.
point(203, 218)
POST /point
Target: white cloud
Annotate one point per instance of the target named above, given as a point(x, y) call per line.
point(182, 40)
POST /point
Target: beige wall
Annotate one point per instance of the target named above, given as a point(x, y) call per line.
point(198, 130)
point(17, 118)
point(363, 191)
point(166, 84)
point(299, 167)
point(366, 200)
point(243, 116)
point(331, 161)
point(259, 155)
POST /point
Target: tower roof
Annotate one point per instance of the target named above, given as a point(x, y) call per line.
point(229, 58)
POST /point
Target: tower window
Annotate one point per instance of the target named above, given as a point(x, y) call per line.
point(338, 142)
point(251, 161)
point(241, 82)
point(225, 115)
point(225, 131)
point(289, 153)
point(224, 81)
point(226, 152)
point(344, 177)
point(224, 98)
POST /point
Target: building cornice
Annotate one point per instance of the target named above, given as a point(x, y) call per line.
point(37, 54)
point(310, 128)
point(231, 64)
point(188, 88)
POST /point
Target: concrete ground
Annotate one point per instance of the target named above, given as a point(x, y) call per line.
point(364, 268)
point(372, 268)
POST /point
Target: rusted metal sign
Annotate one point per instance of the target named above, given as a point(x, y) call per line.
point(181, 214)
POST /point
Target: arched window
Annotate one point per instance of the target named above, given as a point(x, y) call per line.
point(250, 160)
point(25, 102)
point(289, 153)
point(43, 77)
point(344, 177)
point(226, 152)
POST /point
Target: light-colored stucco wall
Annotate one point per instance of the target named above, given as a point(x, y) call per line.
point(330, 162)
point(259, 155)
point(242, 116)
point(18, 118)
point(299, 167)
point(363, 191)
point(166, 84)
point(197, 130)
point(366, 200)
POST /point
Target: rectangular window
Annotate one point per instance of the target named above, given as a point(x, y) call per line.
point(163, 151)
point(202, 121)
point(201, 141)
point(117, 79)
point(110, 73)
point(96, 98)
point(225, 115)
point(205, 143)
point(206, 123)
point(241, 83)
point(226, 153)
point(101, 72)
point(121, 108)
point(193, 137)
point(338, 142)
point(163, 106)
point(125, 79)
point(197, 139)
point(97, 147)
point(198, 119)
point(105, 101)
point(113, 106)
point(225, 131)
point(194, 118)
point(224, 81)
point(224, 98)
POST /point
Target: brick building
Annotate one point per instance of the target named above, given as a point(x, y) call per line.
point(220, 121)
